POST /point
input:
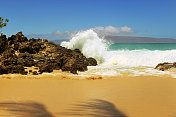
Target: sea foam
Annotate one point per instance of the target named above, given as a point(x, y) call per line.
point(91, 45)
point(136, 58)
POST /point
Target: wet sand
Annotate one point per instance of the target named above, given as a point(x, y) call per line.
point(111, 97)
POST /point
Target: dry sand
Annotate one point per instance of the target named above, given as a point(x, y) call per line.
point(111, 97)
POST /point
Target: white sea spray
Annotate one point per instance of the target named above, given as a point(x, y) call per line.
point(111, 62)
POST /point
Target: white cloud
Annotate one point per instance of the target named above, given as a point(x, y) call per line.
point(66, 33)
point(58, 33)
point(111, 30)
point(102, 31)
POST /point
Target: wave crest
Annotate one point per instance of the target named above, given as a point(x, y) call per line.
point(90, 44)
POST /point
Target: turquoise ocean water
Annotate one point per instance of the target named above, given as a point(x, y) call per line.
point(141, 46)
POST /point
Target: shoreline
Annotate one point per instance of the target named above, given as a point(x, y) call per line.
point(61, 75)
point(69, 76)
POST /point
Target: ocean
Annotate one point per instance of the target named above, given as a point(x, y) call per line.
point(142, 46)
point(135, 59)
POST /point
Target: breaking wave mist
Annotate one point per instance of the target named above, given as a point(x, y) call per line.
point(91, 45)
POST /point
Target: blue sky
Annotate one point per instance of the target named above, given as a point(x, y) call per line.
point(147, 18)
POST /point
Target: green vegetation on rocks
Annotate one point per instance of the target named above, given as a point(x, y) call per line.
point(3, 23)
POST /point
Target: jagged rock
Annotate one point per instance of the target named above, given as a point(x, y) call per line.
point(91, 61)
point(32, 46)
point(14, 69)
point(2, 70)
point(18, 52)
point(9, 61)
point(45, 40)
point(3, 43)
point(19, 37)
point(26, 59)
point(70, 65)
point(9, 52)
point(46, 68)
point(77, 50)
point(165, 66)
point(35, 73)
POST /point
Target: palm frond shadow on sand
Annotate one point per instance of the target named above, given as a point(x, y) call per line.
point(94, 108)
point(25, 109)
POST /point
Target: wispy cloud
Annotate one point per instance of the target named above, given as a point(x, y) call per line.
point(108, 30)
point(102, 31)
point(58, 33)
point(111, 30)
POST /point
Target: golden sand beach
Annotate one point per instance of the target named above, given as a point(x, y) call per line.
point(64, 97)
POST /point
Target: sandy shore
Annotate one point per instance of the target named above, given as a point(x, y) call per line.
point(116, 97)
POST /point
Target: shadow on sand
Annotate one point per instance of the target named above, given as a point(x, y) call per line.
point(94, 108)
point(91, 108)
point(27, 109)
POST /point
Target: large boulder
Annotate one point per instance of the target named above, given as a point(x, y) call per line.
point(70, 65)
point(165, 66)
point(91, 61)
point(18, 52)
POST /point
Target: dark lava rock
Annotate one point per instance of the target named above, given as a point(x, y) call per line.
point(9, 52)
point(165, 66)
point(91, 61)
point(77, 50)
point(18, 38)
point(15, 69)
point(35, 73)
point(3, 43)
point(45, 68)
point(32, 46)
point(26, 59)
point(3, 70)
point(18, 52)
point(45, 40)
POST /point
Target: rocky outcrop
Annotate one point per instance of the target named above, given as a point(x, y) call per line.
point(165, 66)
point(17, 52)
point(3, 43)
